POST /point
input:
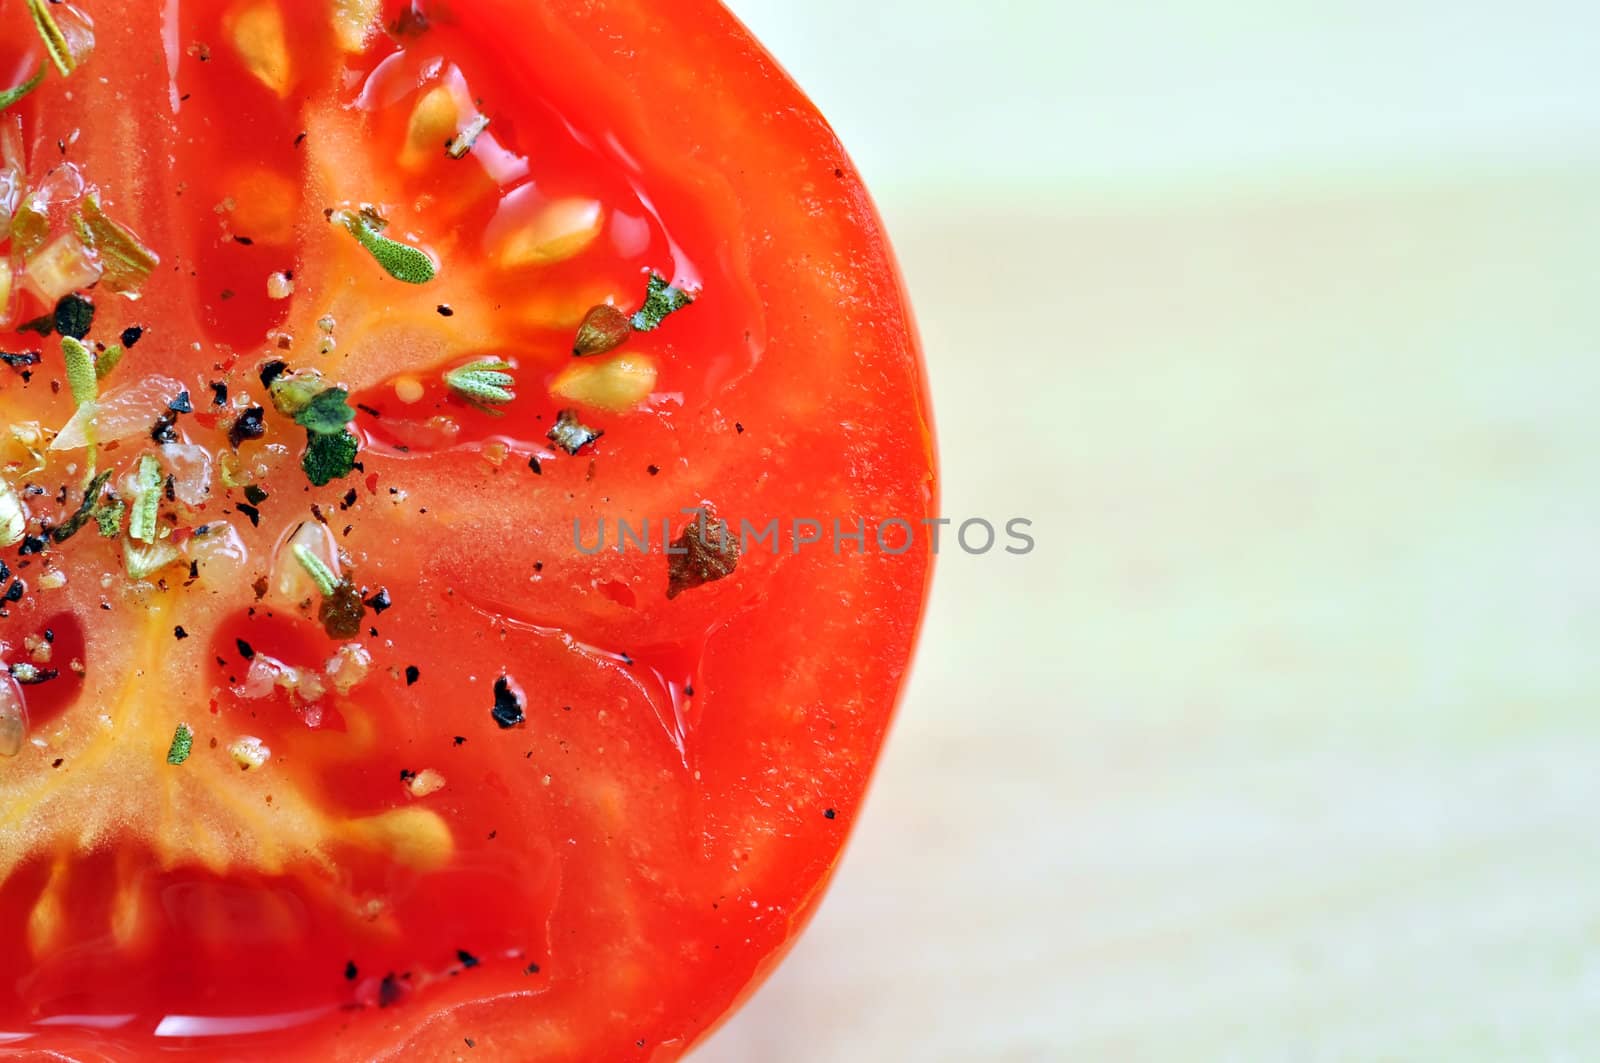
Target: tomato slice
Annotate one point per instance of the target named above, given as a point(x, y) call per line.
point(379, 685)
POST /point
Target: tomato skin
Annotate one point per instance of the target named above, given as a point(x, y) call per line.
point(714, 126)
point(693, 96)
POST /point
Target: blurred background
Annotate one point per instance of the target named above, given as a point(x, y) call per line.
point(1282, 324)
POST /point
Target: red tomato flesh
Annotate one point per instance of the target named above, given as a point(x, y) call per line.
point(551, 802)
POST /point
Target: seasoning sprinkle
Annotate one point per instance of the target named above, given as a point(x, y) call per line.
point(55, 42)
point(403, 262)
point(146, 500)
point(507, 711)
point(483, 384)
point(662, 298)
point(182, 743)
point(317, 569)
point(12, 96)
point(571, 434)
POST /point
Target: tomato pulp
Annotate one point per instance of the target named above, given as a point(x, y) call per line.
point(375, 373)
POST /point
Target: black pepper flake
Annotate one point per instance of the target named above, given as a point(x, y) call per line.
point(406, 775)
point(255, 494)
point(507, 711)
point(446, 311)
point(272, 371)
point(246, 650)
point(181, 404)
point(351, 971)
point(829, 813)
point(470, 1042)
point(250, 511)
point(219, 393)
point(22, 359)
point(413, 673)
point(460, 740)
point(348, 500)
point(132, 335)
point(370, 411)
point(653, 470)
point(468, 960)
point(251, 424)
point(15, 592)
point(163, 431)
point(244, 241)
point(532, 968)
point(533, 463)
point(179, 633)
point(31, 544)
point(74, 316)
point(388, 990)
point(380, 601)
point(260, 587)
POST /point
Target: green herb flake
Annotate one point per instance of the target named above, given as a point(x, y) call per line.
point(146, 500)
point(292, 391)
point(81, 376)
point(182, 744)
point(10, 97)
point(108, 518)
point(124, 259)
point(461, 144)
point(484, 384)
point(661, 300)
point(329, 457)
point(85, 386)
point(326, 413)
point(403, 262)
point(317, 569)
point(55, 42)
point(87, 509)
point(108, 360)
